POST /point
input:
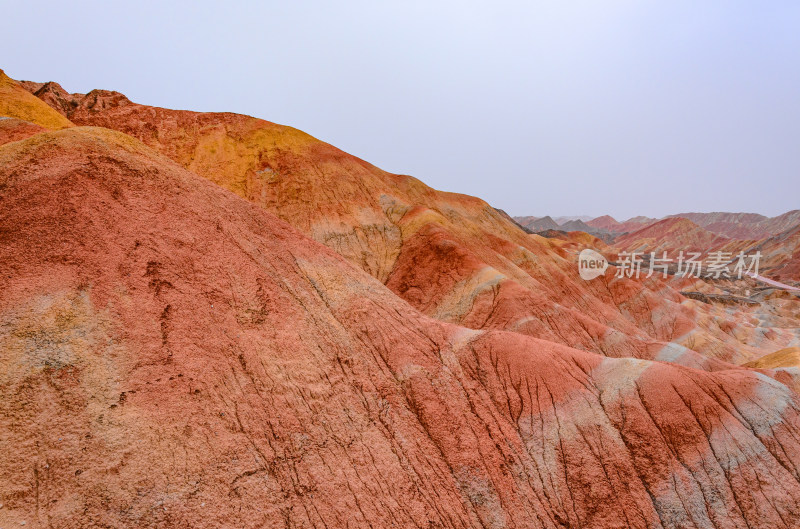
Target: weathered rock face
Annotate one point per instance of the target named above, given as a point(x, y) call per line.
point(383, 222)
point(789, 357)
point(174, 356)
point(744, 225)
point(671, 235)
point(16, 102)
point(609, 223)
point(538, 224)
point(13, 129)
point(710, 231)
point(780, 255)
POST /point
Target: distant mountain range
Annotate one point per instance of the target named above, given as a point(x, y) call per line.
point(776, 238)
point(743, 226)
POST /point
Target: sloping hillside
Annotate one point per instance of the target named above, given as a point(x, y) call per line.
point(487, 273)
point(174, 356)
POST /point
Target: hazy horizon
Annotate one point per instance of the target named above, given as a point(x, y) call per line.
point(621, 108)
point(661, 217)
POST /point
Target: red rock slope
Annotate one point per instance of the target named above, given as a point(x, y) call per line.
point(16, 102)
point(609, 223)
point(480, 271)
point(744, 225)
point(780, 255)
point(671, 235)
point(173, 356)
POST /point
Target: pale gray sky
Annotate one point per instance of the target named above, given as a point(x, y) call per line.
point(540, 107)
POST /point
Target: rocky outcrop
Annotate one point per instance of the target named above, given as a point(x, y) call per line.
point(744, 225)
point(671, 235)
point(780, 255)
point(175, 356)
point(373, 218)
point(537, 224)
point(13, 129)
point(610, 224)
point(16, 102)
point(788, 357)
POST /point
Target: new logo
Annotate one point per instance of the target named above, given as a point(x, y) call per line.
point(591, 264)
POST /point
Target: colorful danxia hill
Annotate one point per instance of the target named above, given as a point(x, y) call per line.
point(210, 320)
